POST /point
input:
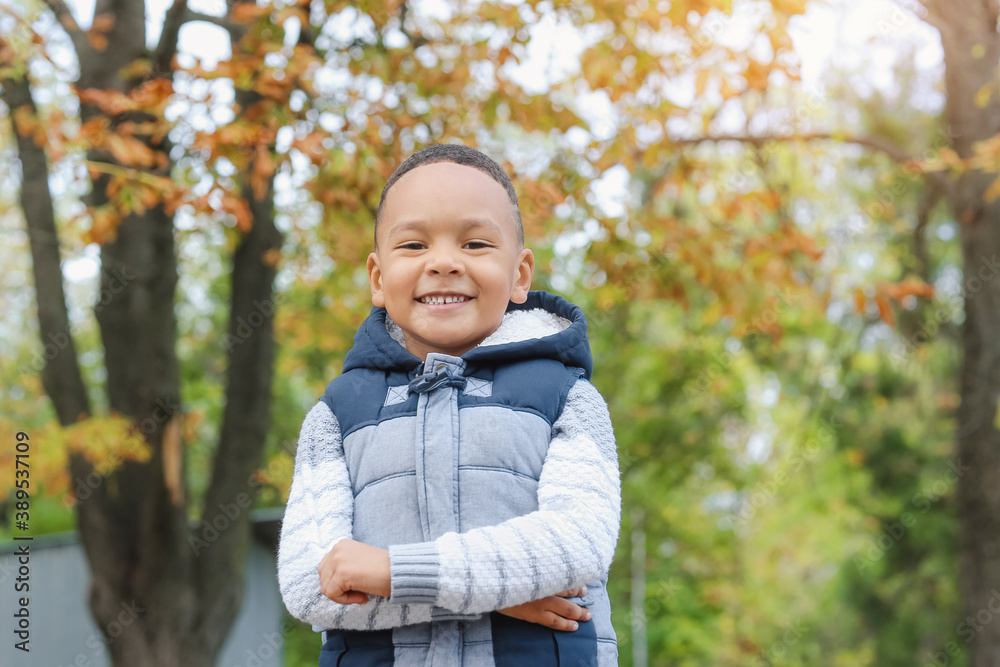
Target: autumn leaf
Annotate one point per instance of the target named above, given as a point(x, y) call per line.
point(130, 151)
point(239, 209)
point(885, 310)
point(756, 75)
point(137, 69)
point(901, 290)
point(993, 192)
point(271, 257)
point(104, 221)
point(97, 35)
point(860, 301)
point(789, 6)
point(702, 82)
point(103, 22)
point(983, 95)
point(263, 169)
point(247, 12)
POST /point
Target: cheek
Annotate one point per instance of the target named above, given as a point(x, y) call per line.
point(499, 275)
point(402, 276)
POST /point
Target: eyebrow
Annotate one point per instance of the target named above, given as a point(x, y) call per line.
point(466, 225)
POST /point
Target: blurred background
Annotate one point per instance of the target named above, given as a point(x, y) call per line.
point(780, 217)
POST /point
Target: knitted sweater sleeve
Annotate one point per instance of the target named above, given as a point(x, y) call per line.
point(570, 540)
point(319, 513)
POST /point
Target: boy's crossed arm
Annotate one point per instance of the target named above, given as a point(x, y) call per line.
point(351, 567)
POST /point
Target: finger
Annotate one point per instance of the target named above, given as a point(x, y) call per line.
point(353, 597)
point(557, 622)
point(568, 610)
point(333, 592)
point(579, 591)
point(347, 597)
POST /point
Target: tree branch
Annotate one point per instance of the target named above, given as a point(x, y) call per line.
point(893, 151)
point(415, 41)
point(934, 16)
point(179, 14)
point(61, 375)
point(65, 18)
point(306, 35)
point(166, 49)
point(64, 15)
point(236, 30)
point(879, 144)
point(932, 195)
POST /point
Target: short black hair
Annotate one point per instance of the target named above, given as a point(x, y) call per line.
point(458, 154)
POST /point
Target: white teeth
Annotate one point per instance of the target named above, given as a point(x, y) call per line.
point(440, 300)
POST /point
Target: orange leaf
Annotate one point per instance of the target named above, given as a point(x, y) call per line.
point(885, 310)
point(26, 120)
point(130, 151)
point(263, 169)
point(860, 301)
point(239, 209)
point(97, 40)
point(245, 12)
point(271, 257)
point(899, 291)
point(103, 22)
point(109, 101)
point(311, 146)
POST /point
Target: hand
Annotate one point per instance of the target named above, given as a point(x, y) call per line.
point(352, 571)
point(552, 611)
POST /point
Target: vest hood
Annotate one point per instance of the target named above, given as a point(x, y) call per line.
point(518, 338)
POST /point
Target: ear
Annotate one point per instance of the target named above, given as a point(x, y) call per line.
point(522, 279)
point(375, 281)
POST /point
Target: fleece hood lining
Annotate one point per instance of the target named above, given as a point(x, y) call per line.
point(517, 326)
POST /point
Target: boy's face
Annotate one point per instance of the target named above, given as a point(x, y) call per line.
point(448, 259)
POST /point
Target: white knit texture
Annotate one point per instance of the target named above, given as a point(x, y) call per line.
point(569, 541)
point(320, 511)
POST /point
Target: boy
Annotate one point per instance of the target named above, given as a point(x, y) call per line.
point(459, 479)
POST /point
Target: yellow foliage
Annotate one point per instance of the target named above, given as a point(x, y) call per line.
point(983, 95)
point(103, 441)
point(278, 473)
point(789, 6)
point(993, 192)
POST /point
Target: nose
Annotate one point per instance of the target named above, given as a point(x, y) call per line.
point(445, 260)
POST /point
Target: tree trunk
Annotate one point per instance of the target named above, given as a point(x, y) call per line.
point(972, 55)
point(180, 596)
point(61, 376)
point(246, 417)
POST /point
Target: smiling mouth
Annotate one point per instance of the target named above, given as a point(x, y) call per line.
point(441, 299)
